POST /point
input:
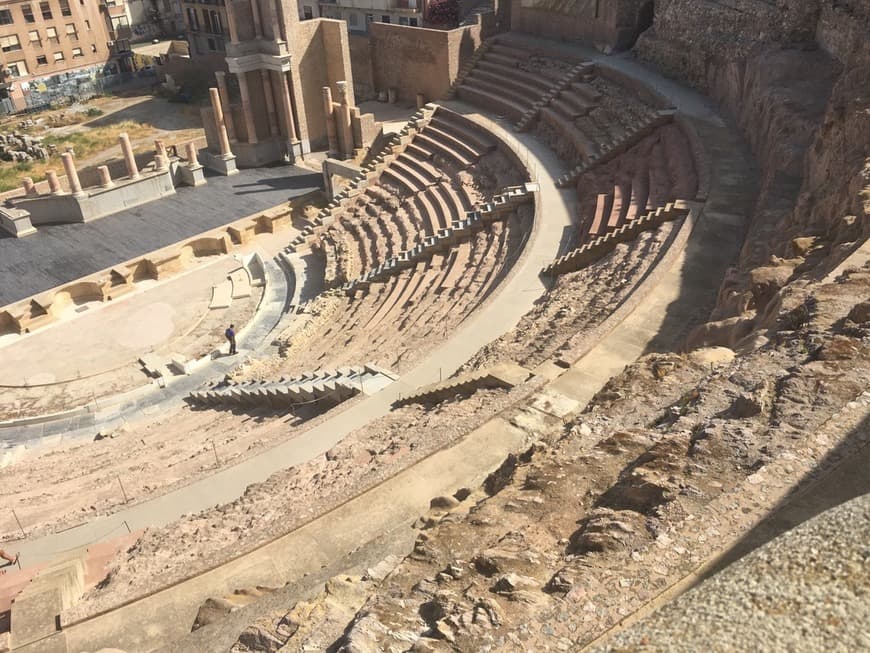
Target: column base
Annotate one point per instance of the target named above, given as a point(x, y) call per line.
point(192, 175)
point(294, 151)
point(224, 164)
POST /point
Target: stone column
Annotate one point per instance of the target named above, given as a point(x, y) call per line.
point(72, 175)
point(329, 110)
point(345, 132)
point(270, 101)
point(271, 18)
point(289, 124)
point(129, 158)
point(255, 14)
point(192, 158)
point(246, 108)
point(105, 177)
point(231, 22)
point(53, 182)
point(219, 120)
point(221, 77)
point(161, 163)
point(29, 186)
point(160, 148)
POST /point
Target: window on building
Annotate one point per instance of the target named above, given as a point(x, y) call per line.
point(77, 52)
point(64, 8)
point(17, 69)
point(35, 41)
point(27, 12)
point(51, 34)
point(216, 23)
point(192, 19)
point(93, 48)
point(353, 20)
point(385, 19)
point(370, 18)
point(212, 45)
point(42, 60)
point(206, 20)
point(9, 43)
point(45, 9)
point(412, 22)
point(403, 20)
point(58, 56)
point(5, 17)
point(307, 13)
point(71, 32)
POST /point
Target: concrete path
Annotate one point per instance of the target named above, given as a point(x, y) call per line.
point(514, 298)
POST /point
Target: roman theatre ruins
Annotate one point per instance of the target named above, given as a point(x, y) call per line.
point(553, 333)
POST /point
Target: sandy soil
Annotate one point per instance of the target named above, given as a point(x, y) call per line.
point(289, 498)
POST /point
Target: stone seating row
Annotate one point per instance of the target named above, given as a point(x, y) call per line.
point(369, 174)
point(418, 178)
point(447, 237)
point(500, 81)
point(596, 154)
point(413, 308)
point(657, 170)
point(596, 249)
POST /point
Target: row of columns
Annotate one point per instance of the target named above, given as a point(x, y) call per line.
point(224, 119)
point(161, 164)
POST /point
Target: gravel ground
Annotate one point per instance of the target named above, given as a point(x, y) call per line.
point(804, 591)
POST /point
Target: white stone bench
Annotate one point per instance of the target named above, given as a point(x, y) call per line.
point(153, 364)
point(222, 295)
point(180, 363)
point(241, 281)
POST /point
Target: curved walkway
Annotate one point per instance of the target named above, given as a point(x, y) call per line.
point(677, 294)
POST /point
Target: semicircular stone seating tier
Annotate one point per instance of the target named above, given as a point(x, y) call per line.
point(626, 156)
point(422, 210)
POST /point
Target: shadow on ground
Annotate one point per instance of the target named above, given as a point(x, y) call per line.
point(155, 111)
point(817, 492)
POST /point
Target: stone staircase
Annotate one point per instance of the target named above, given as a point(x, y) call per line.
point(582, 71)
point(445, 239)
point(596, 249)
point(634, 135)
point(336, 385)
point(504, 375)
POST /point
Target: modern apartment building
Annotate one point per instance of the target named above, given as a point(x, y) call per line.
point(206, 25)
point(206, 20)
point(358, 14)
point(48, 47)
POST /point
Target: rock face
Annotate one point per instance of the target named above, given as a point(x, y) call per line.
point(671, 463)
point(794, 75)
point(819, 570)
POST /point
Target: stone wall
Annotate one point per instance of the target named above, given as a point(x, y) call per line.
point(609, 25)
point(418, 60)
point(363, 70)
point(795, 78)
point(321, 58)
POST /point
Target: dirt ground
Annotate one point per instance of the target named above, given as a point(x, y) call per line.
point(143, 116)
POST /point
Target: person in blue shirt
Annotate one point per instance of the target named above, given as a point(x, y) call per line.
point(230, 333)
